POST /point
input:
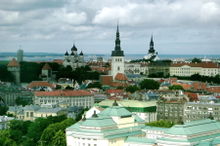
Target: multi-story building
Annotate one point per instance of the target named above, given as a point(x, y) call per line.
point(81, 98)
point(188, 69)
point(111, 127)
point(171, 108)
point(159, 68)
point(136, 68)
point(74, 59)
point(31, 112)
point(201, 110)
point(9, 94)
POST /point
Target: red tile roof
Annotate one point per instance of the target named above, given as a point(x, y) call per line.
point(215, 89)
point(184, 85)
point(46, 67)
point(106, 80)
point(63, 93)
point(39, 84)
point(192, 96)
point(121, 77)
point(13, 63)
point(202, 64)
point(109, 91)
point(59, 61)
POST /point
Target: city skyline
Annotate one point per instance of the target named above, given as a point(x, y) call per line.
point(179, 27)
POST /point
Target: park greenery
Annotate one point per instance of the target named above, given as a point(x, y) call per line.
point(176, 87)
point(132, 89)
point(196, 60)
point(3, 109)
point(161, 123)
point(31, 71)
point(48, 131)
point(149, 84)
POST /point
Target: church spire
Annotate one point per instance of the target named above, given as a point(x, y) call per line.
point(117, 51)
point(151, 50)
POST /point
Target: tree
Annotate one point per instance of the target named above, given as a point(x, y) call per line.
point(196, 60)
point(5, 75)
point(176, 87)
point(161, 123)
point(21, 101)
point(3, 109)
point(132, 89)
point(59, 139)
point(5, 139)
point(149, 84)
point(95, 85)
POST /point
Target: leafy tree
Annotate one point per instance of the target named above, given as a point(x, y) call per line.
point(176, 87)
point(3, 109)
point(59, 139)
point(132, 89)
point(30, 71)
point(196, 60)
point(21, 101)
point(149, 84)
point(52, 129)
point(5, 139)
point(161, 123)
point(95, 85)
point(5, 75)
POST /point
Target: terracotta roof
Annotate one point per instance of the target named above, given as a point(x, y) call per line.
point(39, 84)
point(59, 61)
point(121, 77)
point(117, 84)
point(114, 91)
point(215, 89)
point(46, 67)
point(13, 63)
point(192, 96)
point(106, 80)
point(202, 64)
point(184, 85)
point(63, 93)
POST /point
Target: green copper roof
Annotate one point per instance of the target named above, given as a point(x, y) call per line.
point(156, 128)
point(115, 111)
point(194, 127)
point(216, 141)
point(204, 143)
point(140, 140)
point(99, 122)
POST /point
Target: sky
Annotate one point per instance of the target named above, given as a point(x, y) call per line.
point(178, 26)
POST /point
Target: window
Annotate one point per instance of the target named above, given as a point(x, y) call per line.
point(118, 68)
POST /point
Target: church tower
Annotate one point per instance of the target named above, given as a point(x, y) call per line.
point(117, 64)
point(14, 68)
point(151, 50)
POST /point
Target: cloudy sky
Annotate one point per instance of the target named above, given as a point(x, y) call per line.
point(178, 26)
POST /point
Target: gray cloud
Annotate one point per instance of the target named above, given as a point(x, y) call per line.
point(177, 25)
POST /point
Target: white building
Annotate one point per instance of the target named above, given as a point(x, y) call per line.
point(4, 121)
point(188, 69)
point(110, 127)
point(136, 68)
point(66, 98)
point(74, 59)
point(117, 61)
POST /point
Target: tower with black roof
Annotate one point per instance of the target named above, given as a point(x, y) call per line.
point(117, 63)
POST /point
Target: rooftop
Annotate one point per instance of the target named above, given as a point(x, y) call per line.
point(63, 93)
point(13, 63)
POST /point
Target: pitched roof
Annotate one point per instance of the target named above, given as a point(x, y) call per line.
point(121, 77)
point(39, 84)
point(115, 111)
point(63, 93)
point(13, 63)
point(109, 91)
point(46, 67)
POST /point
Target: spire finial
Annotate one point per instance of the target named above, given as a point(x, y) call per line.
point(115, 103)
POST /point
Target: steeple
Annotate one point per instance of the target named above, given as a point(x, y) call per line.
point(151, 50)
point(117, 51)
point(74, 48)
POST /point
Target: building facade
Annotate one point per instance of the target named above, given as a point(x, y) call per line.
point(67, 98)
point(188, 69)
point(74, 59)
point(201, 110)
